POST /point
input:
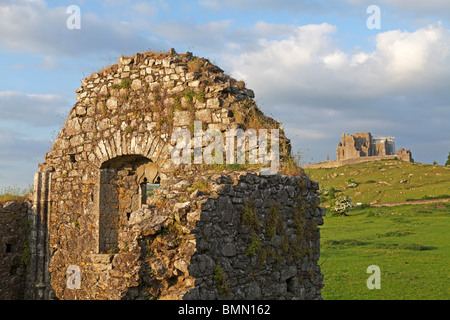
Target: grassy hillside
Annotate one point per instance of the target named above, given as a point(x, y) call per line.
point(409, 243)
point(385, 181)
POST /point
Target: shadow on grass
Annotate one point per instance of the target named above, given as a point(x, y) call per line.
point(346, 243)
point(404, 246)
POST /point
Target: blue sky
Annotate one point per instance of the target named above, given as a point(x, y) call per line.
point(314, 66)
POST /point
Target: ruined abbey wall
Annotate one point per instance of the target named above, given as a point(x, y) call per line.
point(14, 249)
point(207, 233)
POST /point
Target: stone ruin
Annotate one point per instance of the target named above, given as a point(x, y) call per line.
point(363, 147)
point(363, 144)
point(210, 231)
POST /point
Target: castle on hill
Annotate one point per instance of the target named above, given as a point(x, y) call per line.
point(363, 144)
point(363, 147)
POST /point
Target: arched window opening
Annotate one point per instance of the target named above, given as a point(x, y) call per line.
point(122, 191)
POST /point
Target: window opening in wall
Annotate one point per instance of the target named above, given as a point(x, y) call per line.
point(148, 189)
point(144, 192)
point(8, 248)
point(123, 189)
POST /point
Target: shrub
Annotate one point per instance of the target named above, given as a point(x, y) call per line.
point(341, 206)
point(332, 193)
point(351, 183)
point(370, 213)
point(291, 165)
point(324, 191)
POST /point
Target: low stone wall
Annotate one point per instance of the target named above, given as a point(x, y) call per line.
point(258, 239)
point(14, 249)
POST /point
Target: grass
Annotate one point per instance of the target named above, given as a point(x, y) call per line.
point(384, 181)
point(410, 244)
point(14, 194)
point(151, 188)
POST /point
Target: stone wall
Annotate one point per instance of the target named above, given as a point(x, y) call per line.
point(258, 239)
point(404, 155)
point(14, 249)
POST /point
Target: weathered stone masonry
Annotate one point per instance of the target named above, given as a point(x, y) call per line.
point(207, 233)
point(14, 249)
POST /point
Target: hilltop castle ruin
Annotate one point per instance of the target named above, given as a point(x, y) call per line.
point(363, 144)
point(363, 147)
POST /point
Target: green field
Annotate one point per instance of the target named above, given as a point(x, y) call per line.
point(409, 243)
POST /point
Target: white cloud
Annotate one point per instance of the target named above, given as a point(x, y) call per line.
point(310, 59)
point(35, 109)
point(399, 88)
point(408, 54)
point(33, 27)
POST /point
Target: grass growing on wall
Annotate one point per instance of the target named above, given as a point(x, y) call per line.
point(14, 193)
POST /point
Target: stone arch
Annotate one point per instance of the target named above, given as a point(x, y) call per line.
point(121, 144)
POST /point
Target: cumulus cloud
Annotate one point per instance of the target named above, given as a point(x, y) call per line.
point(31, 26)
point(33, 109)
point(309, 56)
point(399, 88)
